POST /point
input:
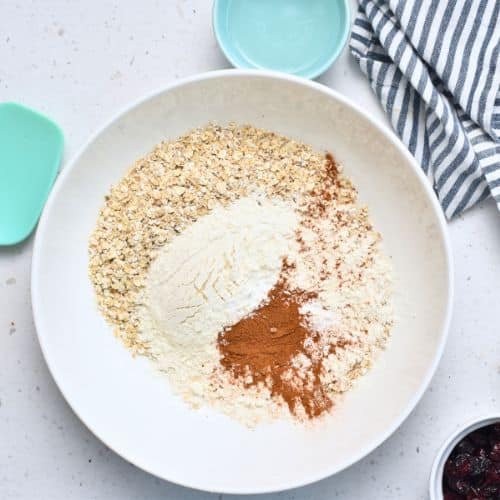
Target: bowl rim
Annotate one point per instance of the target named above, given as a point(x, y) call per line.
point(435, 477)
point(317, 70)
point(389, 136)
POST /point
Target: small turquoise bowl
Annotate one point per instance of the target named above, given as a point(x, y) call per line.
point(301, 37)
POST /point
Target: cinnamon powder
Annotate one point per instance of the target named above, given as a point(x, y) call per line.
point(260, 349)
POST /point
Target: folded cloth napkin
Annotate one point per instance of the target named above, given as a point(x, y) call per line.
point(435, 66)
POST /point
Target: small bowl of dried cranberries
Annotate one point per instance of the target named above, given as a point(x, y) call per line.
point(468, 465)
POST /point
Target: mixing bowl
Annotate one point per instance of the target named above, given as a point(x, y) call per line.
point(131, 408)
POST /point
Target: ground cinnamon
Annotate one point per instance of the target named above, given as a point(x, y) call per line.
point(260, 349)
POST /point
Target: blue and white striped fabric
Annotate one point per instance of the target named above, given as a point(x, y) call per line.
point(435, 66)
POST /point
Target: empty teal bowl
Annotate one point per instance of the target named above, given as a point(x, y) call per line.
point(302, 37)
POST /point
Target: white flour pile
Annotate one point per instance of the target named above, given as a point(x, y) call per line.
point(216, 272)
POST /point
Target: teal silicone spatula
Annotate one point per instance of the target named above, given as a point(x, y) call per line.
point(31, 148)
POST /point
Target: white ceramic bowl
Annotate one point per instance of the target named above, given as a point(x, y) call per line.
point(436, 478)
point(127, 405)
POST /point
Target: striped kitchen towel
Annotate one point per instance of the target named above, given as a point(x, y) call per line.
point(435, 66)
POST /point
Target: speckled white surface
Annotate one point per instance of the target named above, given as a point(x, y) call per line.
point(80, 62)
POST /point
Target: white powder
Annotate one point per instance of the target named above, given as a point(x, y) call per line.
point(211, 275)
point(320, 317)
point(353, 308)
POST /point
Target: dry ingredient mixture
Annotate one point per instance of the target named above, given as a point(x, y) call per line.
point(239, 261)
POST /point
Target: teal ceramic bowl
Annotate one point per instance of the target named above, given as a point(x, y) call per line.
point(301, 37)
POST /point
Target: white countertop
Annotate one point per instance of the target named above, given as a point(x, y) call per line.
point(80, 62)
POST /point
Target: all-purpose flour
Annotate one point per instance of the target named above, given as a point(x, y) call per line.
point(211, 275)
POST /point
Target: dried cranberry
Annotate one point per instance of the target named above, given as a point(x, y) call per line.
point(462, 465)
point(495, 452)
point(449, 468)
point(479, 438)
point(451, 495)
point(490, 491)
point(481, 453)
point(475, 494)
point(480, 465)
point(493, 473)
point(459, 486)
point(465, 446)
